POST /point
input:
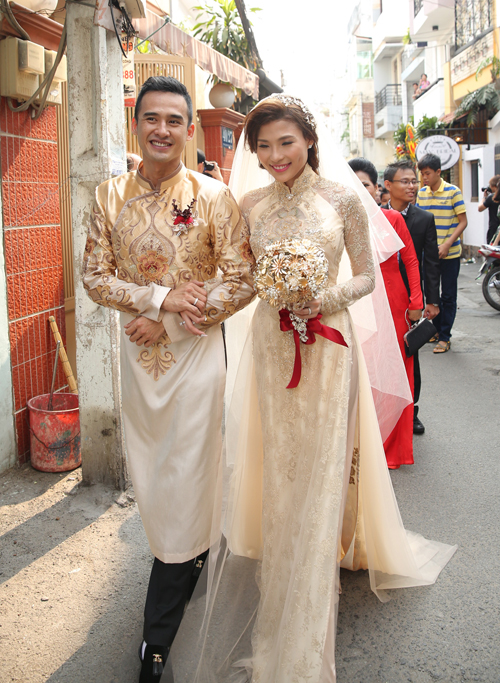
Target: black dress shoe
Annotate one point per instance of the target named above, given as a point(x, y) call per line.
point(155, 657)
point(418, 427)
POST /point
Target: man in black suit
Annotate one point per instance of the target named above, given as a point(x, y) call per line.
point(401, 181)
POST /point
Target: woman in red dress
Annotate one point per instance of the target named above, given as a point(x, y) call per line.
point(399, 444)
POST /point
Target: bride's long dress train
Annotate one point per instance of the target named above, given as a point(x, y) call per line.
point(310, 490)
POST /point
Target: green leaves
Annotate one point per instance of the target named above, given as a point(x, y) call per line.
point(486, 97)
point(220, 27)
point(428, 123)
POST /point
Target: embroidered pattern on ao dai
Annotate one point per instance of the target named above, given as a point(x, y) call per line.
point(172, 392)
point(305, 430)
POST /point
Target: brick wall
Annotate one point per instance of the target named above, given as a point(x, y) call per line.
point(33, 255)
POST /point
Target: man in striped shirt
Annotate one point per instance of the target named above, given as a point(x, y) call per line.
point(445, 201)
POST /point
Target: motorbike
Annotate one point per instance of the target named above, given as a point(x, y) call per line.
point(491, 271)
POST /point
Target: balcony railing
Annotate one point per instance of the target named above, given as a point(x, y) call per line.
point(417, 6)
point(472, 17)
point(390, 96)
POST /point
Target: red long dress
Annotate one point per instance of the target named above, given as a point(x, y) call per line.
point(399, 444)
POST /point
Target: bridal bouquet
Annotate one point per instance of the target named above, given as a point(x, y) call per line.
point(291, 272)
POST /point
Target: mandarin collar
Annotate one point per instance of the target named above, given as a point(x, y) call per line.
point(163, 183)
point(302, 183)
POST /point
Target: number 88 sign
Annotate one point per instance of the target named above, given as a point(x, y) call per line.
point(129, 80)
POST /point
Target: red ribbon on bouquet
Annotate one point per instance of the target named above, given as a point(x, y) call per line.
point(314, 327)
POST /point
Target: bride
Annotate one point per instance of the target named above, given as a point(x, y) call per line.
point(310, 491)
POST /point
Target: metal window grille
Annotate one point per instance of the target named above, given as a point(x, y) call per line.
point(472, 17)
point(390, 96)
point(417, 6)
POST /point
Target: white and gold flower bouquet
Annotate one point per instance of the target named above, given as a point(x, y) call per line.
point(289, 274)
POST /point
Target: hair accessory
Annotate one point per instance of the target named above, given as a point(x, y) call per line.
point(289, 100)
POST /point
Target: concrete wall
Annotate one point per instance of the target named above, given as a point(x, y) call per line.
point(431, 103)
point(392, 23)
point(382, 73)
point(387, 120)
point(97, 149)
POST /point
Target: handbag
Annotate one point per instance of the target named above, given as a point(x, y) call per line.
point(418, 334)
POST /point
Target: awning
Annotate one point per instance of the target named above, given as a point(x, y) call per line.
point(174, 41)
point(447, 118)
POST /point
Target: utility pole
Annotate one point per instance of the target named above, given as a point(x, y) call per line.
point(97, 149)
point(240, 5)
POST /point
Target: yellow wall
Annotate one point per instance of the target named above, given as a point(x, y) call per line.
point(470, 83)
point(449, 102)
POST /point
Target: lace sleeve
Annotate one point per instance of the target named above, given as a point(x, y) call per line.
point(357, 241)
point(250, 200)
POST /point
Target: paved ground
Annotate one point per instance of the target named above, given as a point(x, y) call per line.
point(74, 564)
point(449, 632)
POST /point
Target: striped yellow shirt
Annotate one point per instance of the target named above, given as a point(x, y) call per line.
point(446, 204)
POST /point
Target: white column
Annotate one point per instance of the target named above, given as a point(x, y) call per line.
point(97, 146)
point(7, 429)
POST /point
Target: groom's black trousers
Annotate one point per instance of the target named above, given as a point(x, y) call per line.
point(170, 588)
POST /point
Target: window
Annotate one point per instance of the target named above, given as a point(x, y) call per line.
point(364, 64)
point(474, 180)
point(472, 17)
point(497, 159)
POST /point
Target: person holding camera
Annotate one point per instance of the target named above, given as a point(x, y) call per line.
point(491, 201)
point(210, 168)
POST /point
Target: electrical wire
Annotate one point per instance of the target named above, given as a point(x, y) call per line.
point(12, 20)
point(110, 3)
point(50, 76)
point(130, 31)
point(46, 83)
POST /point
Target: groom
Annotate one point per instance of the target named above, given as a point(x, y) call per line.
point(157, 239)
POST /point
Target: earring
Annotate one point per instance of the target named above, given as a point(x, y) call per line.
point(309, 147)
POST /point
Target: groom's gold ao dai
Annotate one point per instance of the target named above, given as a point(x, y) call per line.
point(172, 392)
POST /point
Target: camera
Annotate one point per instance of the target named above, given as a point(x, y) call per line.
point(208, 166)
point(485, 189)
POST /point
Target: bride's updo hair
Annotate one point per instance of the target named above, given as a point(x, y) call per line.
point(275, 108)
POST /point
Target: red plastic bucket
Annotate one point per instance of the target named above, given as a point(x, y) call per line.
point(55, 434)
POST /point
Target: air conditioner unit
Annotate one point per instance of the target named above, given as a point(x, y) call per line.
point(21, 64)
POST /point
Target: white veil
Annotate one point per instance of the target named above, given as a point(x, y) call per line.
point(218, 651)
point(371, 314)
